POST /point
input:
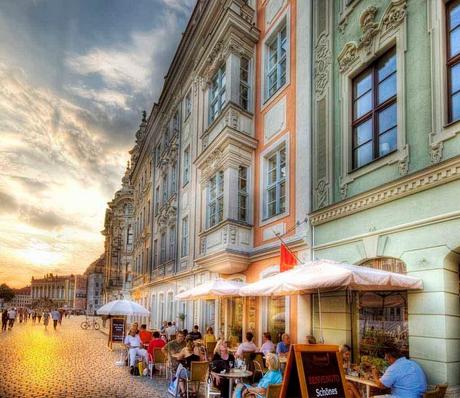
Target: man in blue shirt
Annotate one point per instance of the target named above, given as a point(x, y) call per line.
point(284, 345)
point(404, 376)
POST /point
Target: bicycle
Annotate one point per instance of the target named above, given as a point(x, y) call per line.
point(90, 324)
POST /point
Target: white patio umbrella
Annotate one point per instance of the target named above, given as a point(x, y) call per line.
point(325, 275)
point(212, 289)
point(123, 307)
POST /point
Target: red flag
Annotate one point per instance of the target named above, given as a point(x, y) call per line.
point(287, 259)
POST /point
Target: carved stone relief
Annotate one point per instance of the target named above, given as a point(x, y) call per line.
point(322, 63)
point(436, 150)
point(322, 193)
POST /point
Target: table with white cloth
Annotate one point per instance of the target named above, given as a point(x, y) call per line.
point(232, 375)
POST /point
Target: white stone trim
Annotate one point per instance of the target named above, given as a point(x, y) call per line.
point(377, 38)
point(441, 129)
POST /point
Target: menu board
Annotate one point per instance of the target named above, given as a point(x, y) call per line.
point(117, 330)
point(314, 371)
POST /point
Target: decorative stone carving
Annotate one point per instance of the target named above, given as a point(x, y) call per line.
point(225, 235)
point(322, 62)
point(322, 193)
point(233, 234)
point(343, 190)
point(373, 33)
point(203, 245)
point(404, 161)
point(232, 119)
point(420, 181)
point(436, 150)
point(212, 164)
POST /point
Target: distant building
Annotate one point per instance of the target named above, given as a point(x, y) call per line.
point(60, 289)
point(79, 301)
point(21, 299)
point(95, 281)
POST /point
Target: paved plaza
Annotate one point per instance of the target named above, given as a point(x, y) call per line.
point(68, 362)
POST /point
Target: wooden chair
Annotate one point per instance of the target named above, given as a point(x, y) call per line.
point(199, 373)
point(273, 391)
point(258, 371)
point(159, 358)
point(210, 346)
point(438, 392)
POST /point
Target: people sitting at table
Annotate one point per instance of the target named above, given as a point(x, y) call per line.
point(134, 345)
point(190, 353)
point(163, 327)
point(273, 376)
point(135, 327)
point(246, 346)
point(345, 350)
point(195, 333)
point(145, 335)
point(404, 376)
point(284, 345)
point(222, 360)
point(172, 348)
point(209, 336)
point(170, 331)
point(267, 345)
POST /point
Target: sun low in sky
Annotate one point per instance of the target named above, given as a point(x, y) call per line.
point(75, 77)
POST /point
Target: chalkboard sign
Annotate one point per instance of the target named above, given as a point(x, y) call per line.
point(314, 371)
point(117, 331)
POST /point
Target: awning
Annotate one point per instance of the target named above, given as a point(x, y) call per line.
point(326, 275)
point(212, 289)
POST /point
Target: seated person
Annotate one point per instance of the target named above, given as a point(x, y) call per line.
point(222, 360)
point(345, 350)
point(284, 345)
point(195, 333)
point(174, 347)
point(404, 376)
point(135, 327)
point(170, 331)
point(209, 336)
point(273, 376)
point(134, 345)
point(156, 342)
point(246, 346)
point(267, 345)
point(145, 335)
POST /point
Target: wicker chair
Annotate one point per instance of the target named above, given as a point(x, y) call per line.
point(438, 392)
point(199, 373)
point(159, 358)
point(273, 391)
point(210, 346)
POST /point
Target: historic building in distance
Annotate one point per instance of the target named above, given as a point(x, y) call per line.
point(95, 282)
point(118, 232)
point(22, 298)
point(58, 288)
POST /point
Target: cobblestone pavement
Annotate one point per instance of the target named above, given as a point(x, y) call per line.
point(68, 362)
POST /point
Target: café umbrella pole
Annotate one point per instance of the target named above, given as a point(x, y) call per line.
point(321, 337)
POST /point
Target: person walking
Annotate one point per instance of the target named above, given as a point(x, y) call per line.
point(55, 315)
point(46, 318)
point(34, 316)
point(39, 316)
point(11, 318)
point(4, 319)
point(61, 314)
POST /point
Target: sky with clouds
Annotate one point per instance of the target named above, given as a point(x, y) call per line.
point(75, 77)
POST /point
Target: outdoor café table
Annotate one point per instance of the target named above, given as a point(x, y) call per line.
point(232, 375)
point(366, 382)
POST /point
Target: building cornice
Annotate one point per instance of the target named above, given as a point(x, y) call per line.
point(428, 178)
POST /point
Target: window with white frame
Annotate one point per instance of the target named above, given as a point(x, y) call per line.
point(172, 243)
point(163, 248)
point(242, 194)
point(276, 62)
point(165, 188)
point(161, 308)
point(217, 94)
point(157, 199)
point(176, 123)
point(275, 186)
point(184, 245)
point(188, 104)
point(244, 83)
point(216, 199)
point(170, 305)
point(173, 179)
point(186, 165)
point(453, 59)
point(155, 253)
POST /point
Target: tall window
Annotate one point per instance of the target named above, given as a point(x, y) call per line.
point(170, 306)
point(187, 165)
point(173, 179)
point(375, 111)
point(217, 94)
point(172, 243)
point(276, 183)
point(188, 104)
point(155, 253)
point(165, 188)
point(157, 199)
point(176, 123)
point(184, 245)
point(244, 83)
point(163, 248)
point(242, 193)
point(276, 62)
point(453, 59)
point(216, 199)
